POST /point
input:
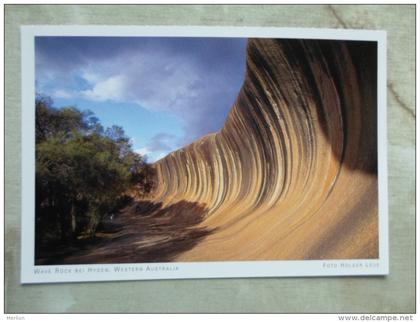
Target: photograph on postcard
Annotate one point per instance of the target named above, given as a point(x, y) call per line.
point(187, 149)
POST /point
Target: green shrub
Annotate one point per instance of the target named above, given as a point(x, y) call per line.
point(83, 172)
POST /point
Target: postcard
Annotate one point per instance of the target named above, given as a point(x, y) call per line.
point(153, 152)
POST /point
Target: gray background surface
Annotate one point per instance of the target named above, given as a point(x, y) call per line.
point(394, 293)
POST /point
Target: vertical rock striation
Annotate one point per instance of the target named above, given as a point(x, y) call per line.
point(293, 172)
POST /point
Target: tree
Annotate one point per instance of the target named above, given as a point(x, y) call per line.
point(82, 172)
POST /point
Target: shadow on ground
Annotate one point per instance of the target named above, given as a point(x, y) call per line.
point(142, 232)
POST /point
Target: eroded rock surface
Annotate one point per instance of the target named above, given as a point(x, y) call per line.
point(293, 172)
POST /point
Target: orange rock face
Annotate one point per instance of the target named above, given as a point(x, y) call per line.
point(293, 172)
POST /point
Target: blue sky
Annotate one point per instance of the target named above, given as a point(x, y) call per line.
point(164, 92)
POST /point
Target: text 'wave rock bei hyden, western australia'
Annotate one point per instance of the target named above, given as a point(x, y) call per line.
point(293, 172)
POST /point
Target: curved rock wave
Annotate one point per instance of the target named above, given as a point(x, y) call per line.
point(293, 172)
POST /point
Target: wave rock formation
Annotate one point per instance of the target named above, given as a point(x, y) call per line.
point(293, 172)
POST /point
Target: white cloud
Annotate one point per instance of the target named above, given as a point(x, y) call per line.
point(143, 151)
point(60, 93)
point(90, 76)
point(159, 81)
point(195, 82)
point(156, 87)
point(112, 88)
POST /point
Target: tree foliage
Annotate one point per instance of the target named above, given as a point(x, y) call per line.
point(83, 172)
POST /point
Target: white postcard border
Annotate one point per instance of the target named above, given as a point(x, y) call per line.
point(144, 271)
